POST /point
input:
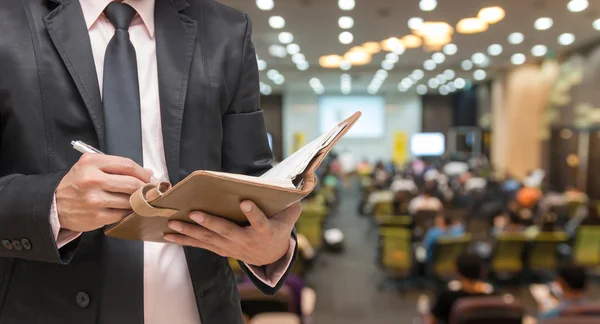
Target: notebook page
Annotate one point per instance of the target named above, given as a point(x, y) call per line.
point(283, 183)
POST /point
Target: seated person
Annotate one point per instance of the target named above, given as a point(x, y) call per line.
point(425, 201)
point(471, 271)
point(512, 224)
point(443, 226)
point(572, 281)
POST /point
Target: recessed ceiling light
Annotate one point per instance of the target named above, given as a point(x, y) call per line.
point(543, 23)
point(276, 22)
point(427, 5)
point(518, 59)
point(478, 58)
point(381, 74)
point(407, 83)
point(429, 65)
point(346, 22)
point(387, 65)
point(422, 89)
point(415, 22)
point(479, 75)
point(495, 49)
point(491, 15)
point(346, 4)
point(265, 89)
point(279, 79)
point(539, 50)
point(265, 4)
point(433, 83)
point(330, 61)
point(358, 57)
point(449, 74)
point(441, 78)
point(298, 57)
point(272, 74)
point(566, 39)
point(302, 66)
point(450, 49)
point(460, 83)
point(346, 37)
point(516, 38)
point(451, 86)
point(392, 57)
point(471, 26)
point(292, 49)
point(286, 37)
point(411, 41)
point(466, 65)
point(262, 65)
point(417, 74)
point(596, 24)
point(438, 57)
point(345, 65)
point(577, 5)
point(401, 88)
point(277, 51)
point(320, 90)
point(444, 90)
point(314, 82)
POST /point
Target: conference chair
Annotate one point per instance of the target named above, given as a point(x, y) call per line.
point(395, 256)
point(394, 221)
point(254, 302)
point(488, 310)
point(310, 223)
point(585, 310)
point(543, 255)
point(586, 250)
point(507, 255)
point(445, 252)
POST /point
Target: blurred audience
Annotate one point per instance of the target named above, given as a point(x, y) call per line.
point(572, 280)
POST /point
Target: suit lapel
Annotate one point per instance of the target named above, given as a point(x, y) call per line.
point(175, 38)
point(68, 31)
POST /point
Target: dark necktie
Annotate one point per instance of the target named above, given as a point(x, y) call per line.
point(122, 299)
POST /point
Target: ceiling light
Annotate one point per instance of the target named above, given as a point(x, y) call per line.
point(543, 23)
point(435, 34)
point(478, 58)
point(417, 74)
point(345, 65)
point(407, 83)
point(460, 83)
point(444, 90)
point(516, 38)
point(485, 63)
point(491, 15)
point(346, 4)
point(292, 49)
point(422, 89)
point(286, 37)
point(272, 74)
point(392, 57)
point(265, 89)
point(466, 65)
point(265, 4)
point(262, 65)
point(279, 79)
point(320, 90)
point(387, 65)
point(450, 49)
point(518, 59)
point(596, 24)
point(298, 57)
point(330, 61)
point(346, 83)
point(277, 51)
point(471, 26)
point(393, 44)
point(479, 75)
point(449, 74)
point(415, 22)
point(427, 5)
point(433, 83)
point(358, 58)
point(566, 39)
point(381, 74)
point(429, 65)
point(401, 88)
point(451, 86)
point(346, 22)
point(495, 49)
point(346, 37)
point(577, 5)
point(539, 50)
point(372, 47)
point(276, 22)
point(441, 78)
point(314, 82)
point(438, 58)
point(411, 41)
point(302, 66)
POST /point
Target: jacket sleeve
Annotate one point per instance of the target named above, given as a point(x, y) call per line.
point(25, 229)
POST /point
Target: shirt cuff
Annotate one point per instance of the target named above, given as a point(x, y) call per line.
point(61, 236)
point(272, 273)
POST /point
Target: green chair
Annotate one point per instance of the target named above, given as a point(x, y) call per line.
point(310, 224)
point(586, 250)
point(445, 252)
point(395, 255)
point(507, 256)
point(543, 255)
point(394, 221)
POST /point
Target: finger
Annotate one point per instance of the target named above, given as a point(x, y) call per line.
point(110, 216)
point(122, 166)
point(218, 225)
point(121, 184)
point(116, 201)
point(184, 240)
point(255, 216)
point(291, 214)
point(199, 233)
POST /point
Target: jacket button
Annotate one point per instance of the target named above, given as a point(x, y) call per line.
point(17, 245)
point(26, 244)
point(7, 245)
point(83, 299)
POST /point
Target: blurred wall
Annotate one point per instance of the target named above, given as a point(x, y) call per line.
point(301, 114)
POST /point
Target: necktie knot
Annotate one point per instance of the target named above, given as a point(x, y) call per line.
point(119, 14)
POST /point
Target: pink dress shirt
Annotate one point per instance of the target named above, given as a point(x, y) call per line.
point(168, 292)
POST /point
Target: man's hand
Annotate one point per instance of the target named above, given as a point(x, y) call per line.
point(265, 241)
point(95, 192)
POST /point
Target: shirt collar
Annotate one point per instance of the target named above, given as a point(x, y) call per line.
point(92, 9)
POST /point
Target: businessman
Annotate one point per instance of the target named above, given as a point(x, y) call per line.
point(164, 88)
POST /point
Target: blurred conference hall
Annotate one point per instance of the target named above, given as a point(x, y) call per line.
point(468, 192)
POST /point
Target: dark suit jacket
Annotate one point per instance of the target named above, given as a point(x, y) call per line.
point(209, 98)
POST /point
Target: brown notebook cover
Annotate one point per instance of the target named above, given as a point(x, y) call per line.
point(155, 205)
